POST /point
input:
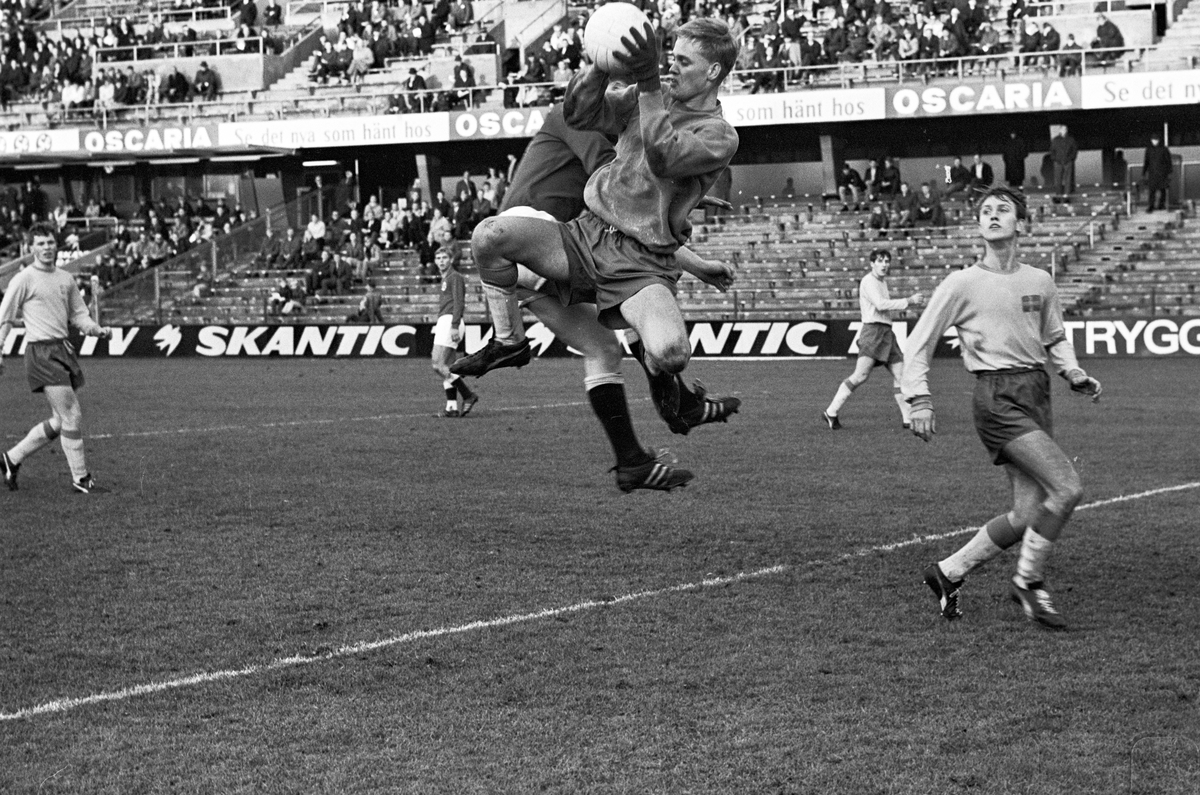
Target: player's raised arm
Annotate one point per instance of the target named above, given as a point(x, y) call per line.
point(591, 103)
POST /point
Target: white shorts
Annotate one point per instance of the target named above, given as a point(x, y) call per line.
point(441, 331)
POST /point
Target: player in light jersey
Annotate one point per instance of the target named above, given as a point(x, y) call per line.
point(49, 302)
point(877, 345)
point(448, 333)
point(621, 252)
point(1009, 323)
point(549, 183)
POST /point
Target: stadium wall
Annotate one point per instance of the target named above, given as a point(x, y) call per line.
point(1117, 337)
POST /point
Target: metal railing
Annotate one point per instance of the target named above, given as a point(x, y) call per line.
point(1003, 63)
point(146, 296)
point(138, 17)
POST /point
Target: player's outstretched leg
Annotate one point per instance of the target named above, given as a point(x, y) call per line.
point(695, 406)
point(497, 244)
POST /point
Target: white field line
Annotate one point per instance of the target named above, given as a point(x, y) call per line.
point(67, 704)
point(324, 421)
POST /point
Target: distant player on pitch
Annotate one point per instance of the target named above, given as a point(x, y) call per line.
point(448, 331)
point(1009, 322)
point(877, 345)
point(49, 301)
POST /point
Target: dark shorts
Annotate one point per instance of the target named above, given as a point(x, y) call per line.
point(1009, 404)
point(607, 267)
point(878, 341)
point(52, 363)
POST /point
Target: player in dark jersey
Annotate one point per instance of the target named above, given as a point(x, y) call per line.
point(448, 333)
point(549, 183)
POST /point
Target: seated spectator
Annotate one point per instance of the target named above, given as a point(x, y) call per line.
point(878, 219)
point(415, 97)
point(982, 176)
point(929, 208)
point(857, 45)
point(174, 88)
point(290, 254)
point(850, 187)
point(205, 85)
point(1070, 62)
point(888, 181)
point(909, 46)
point(278, 297)
point(835, 40)
point(905, 207)
point(883, 39)
point(362, 59)
point(1030, 42)
point(989, 42)
point(270, 252)
point(1051, 44)
point(464, 84)
point(157, 250)
point(958, 178)
point(353, 254)
point(1108, 40)
point(370, 308)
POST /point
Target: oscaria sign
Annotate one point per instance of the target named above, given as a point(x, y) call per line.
point(149, 139)
point(968, 98)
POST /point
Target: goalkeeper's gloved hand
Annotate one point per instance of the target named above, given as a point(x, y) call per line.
point(641, 57)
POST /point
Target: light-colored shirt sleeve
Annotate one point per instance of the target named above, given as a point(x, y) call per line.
point(876, 302)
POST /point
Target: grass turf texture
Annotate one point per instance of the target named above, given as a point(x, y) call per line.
point(268, 510)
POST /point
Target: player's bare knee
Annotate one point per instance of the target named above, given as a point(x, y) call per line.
point(488, 238)
point(674, 358)
point(1065, 496)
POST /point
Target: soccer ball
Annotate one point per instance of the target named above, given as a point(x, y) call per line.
point(602, 36)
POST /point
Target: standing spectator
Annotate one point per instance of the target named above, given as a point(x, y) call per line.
point(1156, 172)
point(1015, 152)
point(1063, 151)
point(272, 14)
point(467, 184)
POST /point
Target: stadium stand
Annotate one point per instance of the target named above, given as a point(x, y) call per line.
point(797, 259)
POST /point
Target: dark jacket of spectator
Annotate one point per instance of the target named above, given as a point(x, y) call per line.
point(1157, 167)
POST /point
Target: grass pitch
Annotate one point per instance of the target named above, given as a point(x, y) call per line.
point(303, 581)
